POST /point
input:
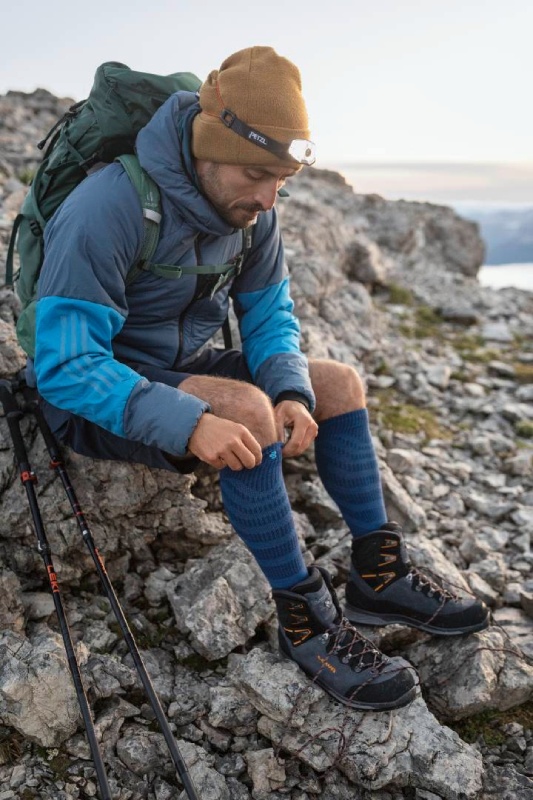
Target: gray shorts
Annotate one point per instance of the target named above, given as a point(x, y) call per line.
point(91, 440)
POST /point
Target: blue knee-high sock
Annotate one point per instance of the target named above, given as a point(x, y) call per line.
point(347, 464)
point(257, 505)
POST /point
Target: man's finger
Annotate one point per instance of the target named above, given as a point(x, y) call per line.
point(252, 446)
point(299, 441)
point(231, 460)
point(295, 445)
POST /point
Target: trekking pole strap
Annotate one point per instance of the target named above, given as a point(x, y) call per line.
point(13, 416)
point(32, 404)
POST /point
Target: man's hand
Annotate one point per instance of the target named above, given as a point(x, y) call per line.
point(222, 443)
point(292, 415)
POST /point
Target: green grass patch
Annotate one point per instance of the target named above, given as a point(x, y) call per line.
point(489, 724)
point(146, 639)
point(524, 428)
point(399, 295)
point(523, 372)
point(485, 724)
point(407, 418)
point(471, 347)
point(197, 663)
point(60, 765)
point(381, 369)
point(11, 746)
point(425, 324)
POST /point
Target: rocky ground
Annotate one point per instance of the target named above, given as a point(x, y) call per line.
point(389, 287)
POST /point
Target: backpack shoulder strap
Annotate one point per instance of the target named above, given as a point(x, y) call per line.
point(11, 251)
point(148, 192)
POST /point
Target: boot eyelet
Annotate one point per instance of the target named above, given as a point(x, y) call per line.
point(327, 603)
point(324, 637)
point(418, 588)
point(358, 668)
point(345, 660)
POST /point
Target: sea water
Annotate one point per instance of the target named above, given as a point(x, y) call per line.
point(520, 276)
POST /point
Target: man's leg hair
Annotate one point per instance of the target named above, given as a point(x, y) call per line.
point(345, 455)
point(256, 500)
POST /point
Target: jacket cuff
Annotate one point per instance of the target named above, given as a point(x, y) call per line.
point(290, 395)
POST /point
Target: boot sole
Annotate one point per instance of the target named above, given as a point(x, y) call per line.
point(401, 701)
point(368, 618)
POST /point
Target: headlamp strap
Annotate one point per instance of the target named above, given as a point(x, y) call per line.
point(230, 120)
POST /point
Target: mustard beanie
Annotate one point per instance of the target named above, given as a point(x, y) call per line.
point(263, 90)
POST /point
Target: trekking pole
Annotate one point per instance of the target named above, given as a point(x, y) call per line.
point(56, 463)
point(13, 416)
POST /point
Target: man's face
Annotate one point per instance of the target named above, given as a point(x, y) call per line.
point(239, 193)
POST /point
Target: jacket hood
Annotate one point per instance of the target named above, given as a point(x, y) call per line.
point(164, 150)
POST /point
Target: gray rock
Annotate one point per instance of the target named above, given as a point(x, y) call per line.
point(399, 505)
point(208, 783)
point(403, 461)
point(230, 709)
point(37, 696)
point(11, 605)
point(497, 332)
point(221, 600)
point(506, 784)
point(439, 375)
point(363, 261)
point(143, 751)
point(465, 675)
point(374, 750)
point(38, 605)
point(266, 771)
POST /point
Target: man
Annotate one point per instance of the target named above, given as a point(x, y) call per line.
point(119, 368)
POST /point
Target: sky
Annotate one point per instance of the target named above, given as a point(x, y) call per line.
point(384, 80)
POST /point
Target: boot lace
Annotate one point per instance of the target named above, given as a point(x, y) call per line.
point(345, 641)
point(423, 583)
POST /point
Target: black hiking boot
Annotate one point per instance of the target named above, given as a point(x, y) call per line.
point(384, 588)
point(333, 653)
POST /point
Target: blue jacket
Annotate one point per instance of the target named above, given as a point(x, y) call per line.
point(90, 324)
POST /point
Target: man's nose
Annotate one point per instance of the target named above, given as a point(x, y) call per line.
point(266, 194)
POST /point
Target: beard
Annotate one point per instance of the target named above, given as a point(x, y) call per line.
point(240, 215)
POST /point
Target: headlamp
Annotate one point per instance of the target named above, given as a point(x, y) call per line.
point(301, 150)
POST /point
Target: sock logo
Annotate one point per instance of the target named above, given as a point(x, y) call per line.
point(273, 455)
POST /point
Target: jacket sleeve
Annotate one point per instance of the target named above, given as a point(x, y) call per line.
point(90, 244)
point(270, 332)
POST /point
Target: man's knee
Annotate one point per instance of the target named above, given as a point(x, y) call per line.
point(238, 401)
point(338, 388)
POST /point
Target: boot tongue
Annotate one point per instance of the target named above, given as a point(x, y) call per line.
point(318, 596)
point(380, 558)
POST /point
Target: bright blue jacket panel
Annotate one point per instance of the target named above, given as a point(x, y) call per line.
point(91, 323)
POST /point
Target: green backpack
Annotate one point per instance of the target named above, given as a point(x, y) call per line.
point(92, 133)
